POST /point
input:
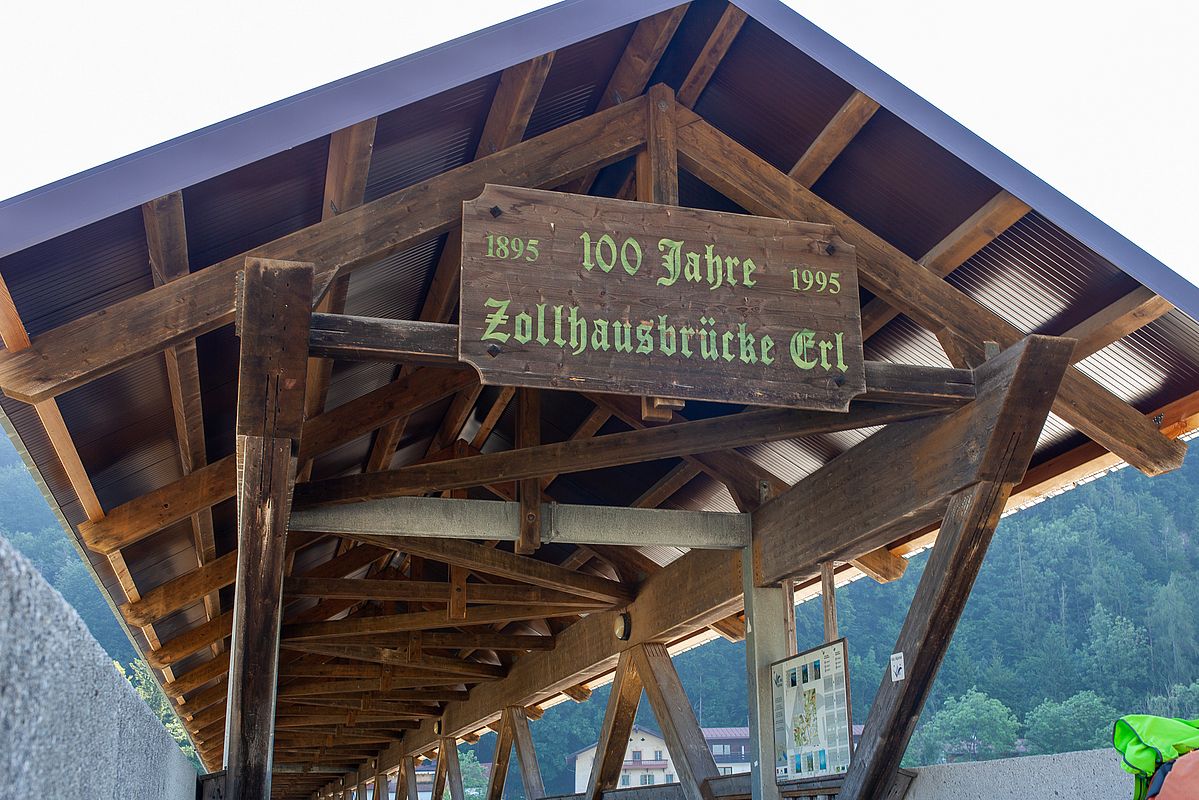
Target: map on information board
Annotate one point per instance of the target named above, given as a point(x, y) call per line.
point(812, 728)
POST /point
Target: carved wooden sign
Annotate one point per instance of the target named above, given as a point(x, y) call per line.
point(565, 291)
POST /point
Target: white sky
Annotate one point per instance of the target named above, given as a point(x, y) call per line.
point(1099, 98)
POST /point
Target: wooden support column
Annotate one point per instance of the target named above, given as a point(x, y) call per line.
point(658, 182)
point(517, 719)
point(828, 600)
point(971, 515)
point(528, 434)
point(693, 762)
point(448, 772)
point(406, 788)
point(500, 760)
point(618, 724)
point(768, 638)
point(273, 313)
point(940, 598)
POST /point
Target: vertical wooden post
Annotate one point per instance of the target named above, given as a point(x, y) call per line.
point(658, 182)
point(447, 751)
point(528, 434)
point(766, 641)
point(789, 629)
point(828, 600)
point(501, 759)
point(618, 724)
point(407, 778)
point(693, 762)
point(439, 772)
point(273, 318)
point(526, 756)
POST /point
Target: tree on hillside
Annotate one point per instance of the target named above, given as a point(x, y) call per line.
point(142, 681)
point(1181, 700)
point(1080, 722)
point(1115, 659)
point(474, 780)
point(973, 727)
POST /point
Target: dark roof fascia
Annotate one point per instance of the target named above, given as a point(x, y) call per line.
point(970, 148)
point(97, 193)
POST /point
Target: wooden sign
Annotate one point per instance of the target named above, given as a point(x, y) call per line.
point(565, 291)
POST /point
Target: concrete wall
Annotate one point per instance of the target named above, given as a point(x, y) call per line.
point(70, 725)
point(1089, 775)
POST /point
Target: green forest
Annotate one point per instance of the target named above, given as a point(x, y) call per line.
point(1083, 611)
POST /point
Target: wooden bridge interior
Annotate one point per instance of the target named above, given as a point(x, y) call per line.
point(244, 397)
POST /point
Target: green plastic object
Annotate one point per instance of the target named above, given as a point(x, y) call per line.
point(1146, 742)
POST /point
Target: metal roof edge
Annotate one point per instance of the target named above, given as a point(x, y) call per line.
point(70, 203)
point(947, 132)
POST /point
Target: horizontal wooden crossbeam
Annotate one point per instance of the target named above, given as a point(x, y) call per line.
point(616, 449)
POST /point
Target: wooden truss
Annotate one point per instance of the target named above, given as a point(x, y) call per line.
point(421, 629)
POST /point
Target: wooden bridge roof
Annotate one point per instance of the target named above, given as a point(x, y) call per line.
point(123, 433)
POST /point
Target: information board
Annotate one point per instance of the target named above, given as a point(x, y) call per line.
point(565, 291)
point(813, 733)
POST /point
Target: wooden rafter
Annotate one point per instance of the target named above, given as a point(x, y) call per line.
point(917, 291)
point(1130, 313)
point(637, 63)
point(511, 108)
point(710, 56)
point(203, 301)
point(834, 138)
point(166, 238)
point(977, 231)
point(345, 188)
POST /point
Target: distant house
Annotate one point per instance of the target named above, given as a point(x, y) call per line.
point(647, 761)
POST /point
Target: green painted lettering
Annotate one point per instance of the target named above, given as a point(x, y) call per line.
point(578, 331)
point(495, 320)
point(599, 335)
point(745, 344)
point(669, 248)
point(666, 337)
point(801, 342)
point(747, 268)
point(645, 337)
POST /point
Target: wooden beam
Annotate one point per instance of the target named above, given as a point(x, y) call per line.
point(954, 452)
point(693, 762)
point(371, 339)
point(528, 434)
point(938, 604)
point(760, 188)
point(415, 621)
point(429, 592)
point(614, 733)
point(203, 301)
point(713, 52)
point(828, 601)
point(882, 565)
point(346, 171)
point(834, 138)
point(657, 176)
point(526, 754)
point(502, 756)
point(616, 449)
point(155, 510)
point(1130, 313)
point(166, 239)
point(641, 55)
point(507, 120)
point(480, 558)
point(273, 311)
point(981, 228)
point(493, 417)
